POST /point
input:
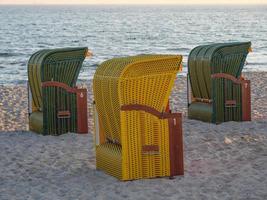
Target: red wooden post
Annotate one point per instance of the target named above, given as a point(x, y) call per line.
point(82, 120)
point(176, 146)
point(246, 100)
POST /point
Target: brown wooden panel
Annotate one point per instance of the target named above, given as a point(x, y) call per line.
point(82, 120)
point(63, 114)
point(246, 100)
point(176, 146)
point(230, 102)
point(150, 148)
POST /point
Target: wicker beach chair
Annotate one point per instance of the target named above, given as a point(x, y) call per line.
point(217, 92)
point(56, 105)
point(134, 135)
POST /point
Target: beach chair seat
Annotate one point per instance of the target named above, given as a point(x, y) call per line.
point(201, 111)
point(135, 137)
point(56, 105)
point(217, 92)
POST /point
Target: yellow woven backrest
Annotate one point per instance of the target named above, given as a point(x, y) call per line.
point(144, 79)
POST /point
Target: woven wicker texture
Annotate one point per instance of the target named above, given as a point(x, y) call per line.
point(109, 158)
point(139, 129)
point(61, 65)
point(203, 61)
point(145, 80)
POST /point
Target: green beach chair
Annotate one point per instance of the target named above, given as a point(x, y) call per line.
point(217, 92)
point(56, 105)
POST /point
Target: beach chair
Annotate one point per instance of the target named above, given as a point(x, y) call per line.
point(135, 137)
point(56, 105)
point(217, 91)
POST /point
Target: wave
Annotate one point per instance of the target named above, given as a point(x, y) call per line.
point(255, 63)
point(179, 49)
point(5, 54)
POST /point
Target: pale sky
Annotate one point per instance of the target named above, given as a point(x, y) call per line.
point(133, 1)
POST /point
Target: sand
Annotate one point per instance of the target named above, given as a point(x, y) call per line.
point(226, 161)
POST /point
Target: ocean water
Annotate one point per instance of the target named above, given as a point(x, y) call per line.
point(113, 31)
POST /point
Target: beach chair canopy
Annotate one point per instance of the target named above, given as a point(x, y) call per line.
point(62, 67)
point(226, 59)
point(126, 91)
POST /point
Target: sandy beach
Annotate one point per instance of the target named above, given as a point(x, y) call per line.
point(226, 161)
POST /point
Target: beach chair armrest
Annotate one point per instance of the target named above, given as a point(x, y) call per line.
point(153, 111)
point(228, 77)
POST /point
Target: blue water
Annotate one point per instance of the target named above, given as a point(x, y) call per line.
point(112, 31)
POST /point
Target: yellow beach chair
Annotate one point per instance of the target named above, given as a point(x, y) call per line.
point(135, 137)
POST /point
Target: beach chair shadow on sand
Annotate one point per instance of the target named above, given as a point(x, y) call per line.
point(135, 135)
point(56, 105)
point(217, 92)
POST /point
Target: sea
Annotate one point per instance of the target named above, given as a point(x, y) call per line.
point(123, 30)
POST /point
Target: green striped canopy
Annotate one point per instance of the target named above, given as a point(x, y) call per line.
point(62, 65)
point(215, 58)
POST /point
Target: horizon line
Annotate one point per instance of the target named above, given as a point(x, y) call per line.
point(147, 4)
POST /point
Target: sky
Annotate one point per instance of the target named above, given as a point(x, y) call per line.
point(133, 2)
